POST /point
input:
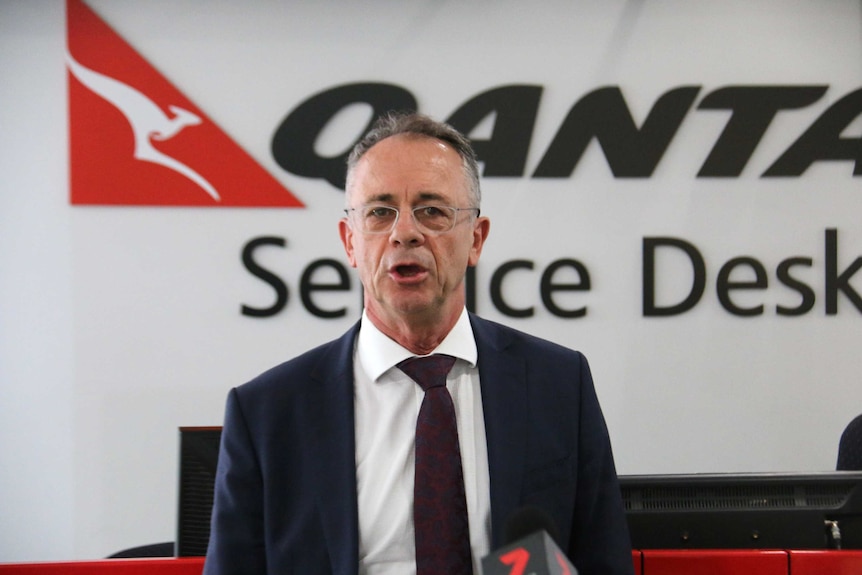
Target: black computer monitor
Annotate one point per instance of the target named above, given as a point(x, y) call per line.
point(745, 510)
point(199, 447)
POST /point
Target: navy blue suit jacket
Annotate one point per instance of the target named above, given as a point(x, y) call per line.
point(285, 497)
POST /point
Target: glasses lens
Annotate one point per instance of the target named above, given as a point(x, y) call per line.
point(378, 219)
point(435, 218)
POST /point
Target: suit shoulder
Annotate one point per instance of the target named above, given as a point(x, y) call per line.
point(506, 337)
point(317, 363)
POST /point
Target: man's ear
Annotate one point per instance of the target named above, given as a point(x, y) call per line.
point(481, 227)
point(345, 232)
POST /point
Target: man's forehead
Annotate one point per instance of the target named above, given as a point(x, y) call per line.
point(411, 145)
point(421, 168)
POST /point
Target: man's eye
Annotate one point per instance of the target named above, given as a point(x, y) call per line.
point(431, 212)
point(380, 212)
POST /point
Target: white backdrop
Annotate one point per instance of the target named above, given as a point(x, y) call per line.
point(120, 324)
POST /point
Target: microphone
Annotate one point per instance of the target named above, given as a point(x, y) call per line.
point(530, 548)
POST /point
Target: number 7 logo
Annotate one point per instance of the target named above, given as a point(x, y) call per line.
point(518, 559)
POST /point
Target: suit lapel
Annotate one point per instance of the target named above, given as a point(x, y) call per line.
point(503, 380)
point(333, 453)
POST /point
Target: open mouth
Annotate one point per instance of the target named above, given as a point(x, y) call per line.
point(408, 271)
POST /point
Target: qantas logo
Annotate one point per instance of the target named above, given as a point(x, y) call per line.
point(147, 120)
point(137, 140)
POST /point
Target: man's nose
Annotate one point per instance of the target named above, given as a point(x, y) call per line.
point(406, 230)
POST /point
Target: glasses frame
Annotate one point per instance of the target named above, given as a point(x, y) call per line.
point(413, 210)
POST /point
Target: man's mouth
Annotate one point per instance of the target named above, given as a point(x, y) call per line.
point(408, 271)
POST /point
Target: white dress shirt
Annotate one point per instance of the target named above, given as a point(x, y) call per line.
point(386, 407)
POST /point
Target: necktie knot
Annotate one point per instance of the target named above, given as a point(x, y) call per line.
point(428, 371)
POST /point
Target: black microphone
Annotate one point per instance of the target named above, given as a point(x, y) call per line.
point(531, 547)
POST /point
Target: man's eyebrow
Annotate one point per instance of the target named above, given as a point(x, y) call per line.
point(381, 198)
point(387, 198)
point(431, 196)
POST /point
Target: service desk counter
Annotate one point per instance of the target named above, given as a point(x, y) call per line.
point(750, 562)
point(647, 562)
point(178, 566)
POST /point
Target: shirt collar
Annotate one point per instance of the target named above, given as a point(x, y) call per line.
point(378, 353)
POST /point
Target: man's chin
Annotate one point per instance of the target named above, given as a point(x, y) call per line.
point(414, 305)
point(417, 309)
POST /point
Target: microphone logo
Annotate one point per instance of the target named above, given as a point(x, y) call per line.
point(517, 559)
point(533, 551)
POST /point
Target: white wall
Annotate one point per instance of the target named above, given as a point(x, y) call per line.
point(37, 357)
point(120, 324)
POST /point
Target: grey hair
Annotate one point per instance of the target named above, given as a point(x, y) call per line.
point(419, 125)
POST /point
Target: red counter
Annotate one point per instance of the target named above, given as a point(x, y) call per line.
point(647, 562)
point(825, 562)
point(182, 566)
point(714, 562)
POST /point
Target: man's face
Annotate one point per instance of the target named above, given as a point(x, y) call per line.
point(406, 272)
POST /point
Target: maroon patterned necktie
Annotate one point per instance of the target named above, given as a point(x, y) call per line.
point(439, 502)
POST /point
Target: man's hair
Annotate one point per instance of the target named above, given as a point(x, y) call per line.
point(417, 125)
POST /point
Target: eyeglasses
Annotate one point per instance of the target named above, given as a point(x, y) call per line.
point(378, 219)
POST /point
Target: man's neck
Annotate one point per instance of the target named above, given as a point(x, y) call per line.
point(420, 336)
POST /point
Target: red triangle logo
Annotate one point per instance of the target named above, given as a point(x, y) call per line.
point(137, 140)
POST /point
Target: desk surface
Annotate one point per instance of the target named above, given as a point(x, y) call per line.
point(171, 566)
point(647, 562)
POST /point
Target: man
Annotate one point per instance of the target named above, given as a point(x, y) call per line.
point(316, 469)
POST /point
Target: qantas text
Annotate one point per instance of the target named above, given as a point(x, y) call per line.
point(603, 115)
